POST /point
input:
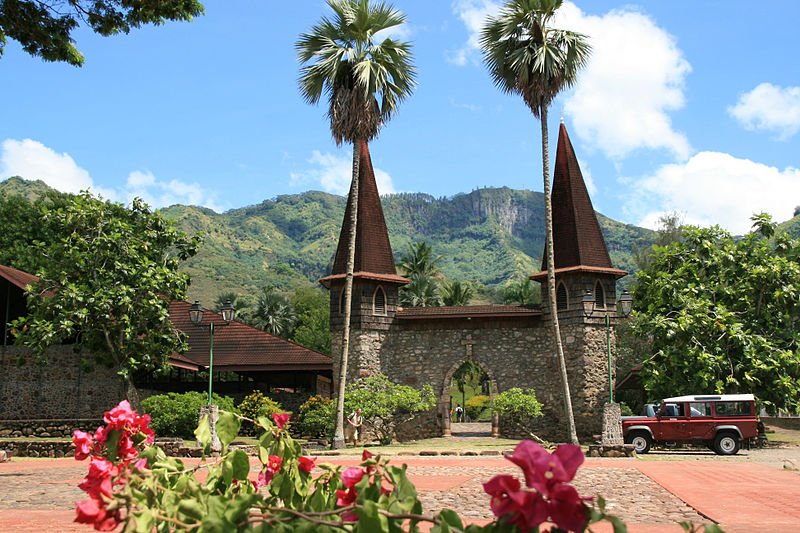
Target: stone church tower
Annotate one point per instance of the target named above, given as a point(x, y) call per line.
point(511, 343)
point(375, 280)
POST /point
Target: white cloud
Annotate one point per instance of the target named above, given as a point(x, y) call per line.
point(401, 32)
point(33, 160)
point(769, 108)
point(634, 78)
point(473, 14)
point(715, 188)
point(333, 174)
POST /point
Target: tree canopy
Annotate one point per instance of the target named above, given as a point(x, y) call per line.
point(106, 282)
point(723, 315)
point(44, 27)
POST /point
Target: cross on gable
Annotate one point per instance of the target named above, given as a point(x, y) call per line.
point(467, 343)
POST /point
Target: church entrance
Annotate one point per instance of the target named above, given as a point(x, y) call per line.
point(467, 393)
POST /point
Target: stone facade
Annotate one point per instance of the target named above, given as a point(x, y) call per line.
point(513, 351)
point(60, 389)
point(43, 429)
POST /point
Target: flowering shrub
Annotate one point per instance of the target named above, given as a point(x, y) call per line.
point(133, 483)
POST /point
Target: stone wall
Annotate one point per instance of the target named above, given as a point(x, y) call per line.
point(47, 428)
point(60, 389)
point(514, 353)
point(786, 422)
point(38, 448)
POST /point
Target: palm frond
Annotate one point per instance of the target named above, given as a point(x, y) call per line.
point(364, 81)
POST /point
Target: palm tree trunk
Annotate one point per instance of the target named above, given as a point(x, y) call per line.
point(338, 432)
point(551, 276)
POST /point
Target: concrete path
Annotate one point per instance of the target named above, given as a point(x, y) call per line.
point(652, 496)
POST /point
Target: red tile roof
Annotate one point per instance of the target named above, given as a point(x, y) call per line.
point(470, 311)
point(17, 277)
point(391, 278)
point(239, 347)
point(373, 252)
point(542, 275)
point(577, 238)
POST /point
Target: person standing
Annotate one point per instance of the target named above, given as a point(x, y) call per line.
point(355, 422)
point(459, 413)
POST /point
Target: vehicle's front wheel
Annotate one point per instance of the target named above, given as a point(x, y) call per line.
point(726, 444)
point(642, 442)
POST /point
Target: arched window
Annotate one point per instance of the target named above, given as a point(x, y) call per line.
point(379, 302)
point(599, 296)
point(561, 297)
point(336, 303)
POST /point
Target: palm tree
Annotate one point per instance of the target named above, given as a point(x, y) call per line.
point(520, 292)
point(364, 81)
point(525, 56)
point(419, 261)
point(423, 291)
point(274, 314)
point(456, 293)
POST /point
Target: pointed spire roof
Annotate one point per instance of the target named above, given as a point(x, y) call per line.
point(374, 259)
point(577, 238)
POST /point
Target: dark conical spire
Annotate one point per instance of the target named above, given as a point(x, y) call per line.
point(577, 238)
point(374, 259)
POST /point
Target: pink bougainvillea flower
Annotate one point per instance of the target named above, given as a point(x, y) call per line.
point(141, 464)
point(83, 444)
point(566, 508)
point(121, 416)
point(351, 476)
point(98, 480)
point(544, 470)
point(520, 507)
point(272, 467)
point(274, 463)
point(281, 419)
point(306, 464)
point(366, 454)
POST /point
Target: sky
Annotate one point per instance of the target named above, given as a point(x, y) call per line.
point(687, 107)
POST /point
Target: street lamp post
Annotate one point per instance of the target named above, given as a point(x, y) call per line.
point(624, 305)
point(196, 316)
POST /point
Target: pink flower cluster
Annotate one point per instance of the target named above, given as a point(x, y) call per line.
point(350, 478)
point(546, 494)
point(273, 466)
point(113, 448)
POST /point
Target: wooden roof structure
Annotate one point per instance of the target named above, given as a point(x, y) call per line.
point(374, 259)
point(578, 242)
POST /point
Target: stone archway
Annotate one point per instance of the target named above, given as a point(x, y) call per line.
point(445, 398)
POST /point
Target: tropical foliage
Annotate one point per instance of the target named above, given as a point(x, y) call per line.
point(523, 292)
point(176, 414)
point(386, 405)
point(256, 405)
point(45, 29)
point(529, 58)
point(289, 241)
point(517, 408)
point(132, 483)
point(456, 293)
point(723, 315)
point(106, 284)
point(273, 313)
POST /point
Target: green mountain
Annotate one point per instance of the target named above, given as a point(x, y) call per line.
point(489, 236)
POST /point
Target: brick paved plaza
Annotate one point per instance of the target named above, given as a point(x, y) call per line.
point(743, 493)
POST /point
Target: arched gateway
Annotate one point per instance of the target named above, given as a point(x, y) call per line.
point(512, 343)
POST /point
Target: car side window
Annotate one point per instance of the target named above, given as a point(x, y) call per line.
point(733, 408)
point(673, 409)
point(700, 408)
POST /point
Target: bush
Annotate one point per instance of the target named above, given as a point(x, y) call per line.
point(386, 404)
point(176, 415)
point(315, 418)
point(518, 407)
point(625, 410)
point(475, 406)
point(255, 405)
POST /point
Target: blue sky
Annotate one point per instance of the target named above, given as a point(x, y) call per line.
point(685, 106)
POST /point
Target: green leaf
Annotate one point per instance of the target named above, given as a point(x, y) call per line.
point(192, 509)
point(227, 428)
point(144, 521)
point(370, 520)
point(241, 465)
point(203, 434)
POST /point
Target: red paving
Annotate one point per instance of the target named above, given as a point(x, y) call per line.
point(741, 497)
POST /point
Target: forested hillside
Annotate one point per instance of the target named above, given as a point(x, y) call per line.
point(488, 236)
